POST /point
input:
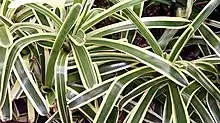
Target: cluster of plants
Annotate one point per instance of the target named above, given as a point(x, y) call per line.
point(57, 66)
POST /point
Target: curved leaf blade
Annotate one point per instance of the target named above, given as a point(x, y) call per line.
point(150, 22)
point(152, 60)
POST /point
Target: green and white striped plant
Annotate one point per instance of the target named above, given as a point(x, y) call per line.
point(55, 59)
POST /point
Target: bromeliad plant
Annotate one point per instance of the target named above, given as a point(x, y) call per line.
point(55, 59)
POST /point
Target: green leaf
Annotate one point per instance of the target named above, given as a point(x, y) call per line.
point(60, 86)
point(189, 91)
point(89, 95)
point(61, 36)
point(22, 25)
point(213, 106)
point(167, 111)
point(88, 110)
point(30, 88)
point(179, 110)
point(201, 110)
point(113, 117)
point(210, 38)
point(6, 38)
point(84, 65)
point(152, 60)
point(189, 8)
point(6, 109)
point(150, 22)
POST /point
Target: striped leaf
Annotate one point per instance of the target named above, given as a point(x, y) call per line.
point(152, 60)
point(150, 22)
point(213, 106)
point(60, 86)
point(84, 65)
point(144, 31)
point(167, 111)
point(30, 88)
point(179, 110)
point(6, 109)
point(201, 110)
point(210, 38)
point(189, 91)
point(60, 38)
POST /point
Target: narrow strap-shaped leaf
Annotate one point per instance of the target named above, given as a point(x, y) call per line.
point(13, 53)
point(52, 118)
point(140, 110)
point(189, 91)
point(16, 91)
point(179, 109)
point(61, 36)
point(200, 77)
point(17, 26)
point(201, 110)
point(150, 22)
point(138, 9)
point(151, 116)
point(6, 109)
point(87, 4)
point(47, 12)
point(115, 66)
point(88, 110)
point(166, 37)
point(212, 60)
point(210, 38)
point(89, 95)
point(189, 8)
point(30, 88)
point(84, 65)
point(6, 38)
point(167, 111)
point(115, 91)
point(30, 112)
point(214, 108)
point(208, 67)
point(113, 117)
point(187, 34)
point(143, 29)
point(154, 61)
point(99, 17)
point(3, 56)
point(139, 90)
point(60, 86)
point(4, 7)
